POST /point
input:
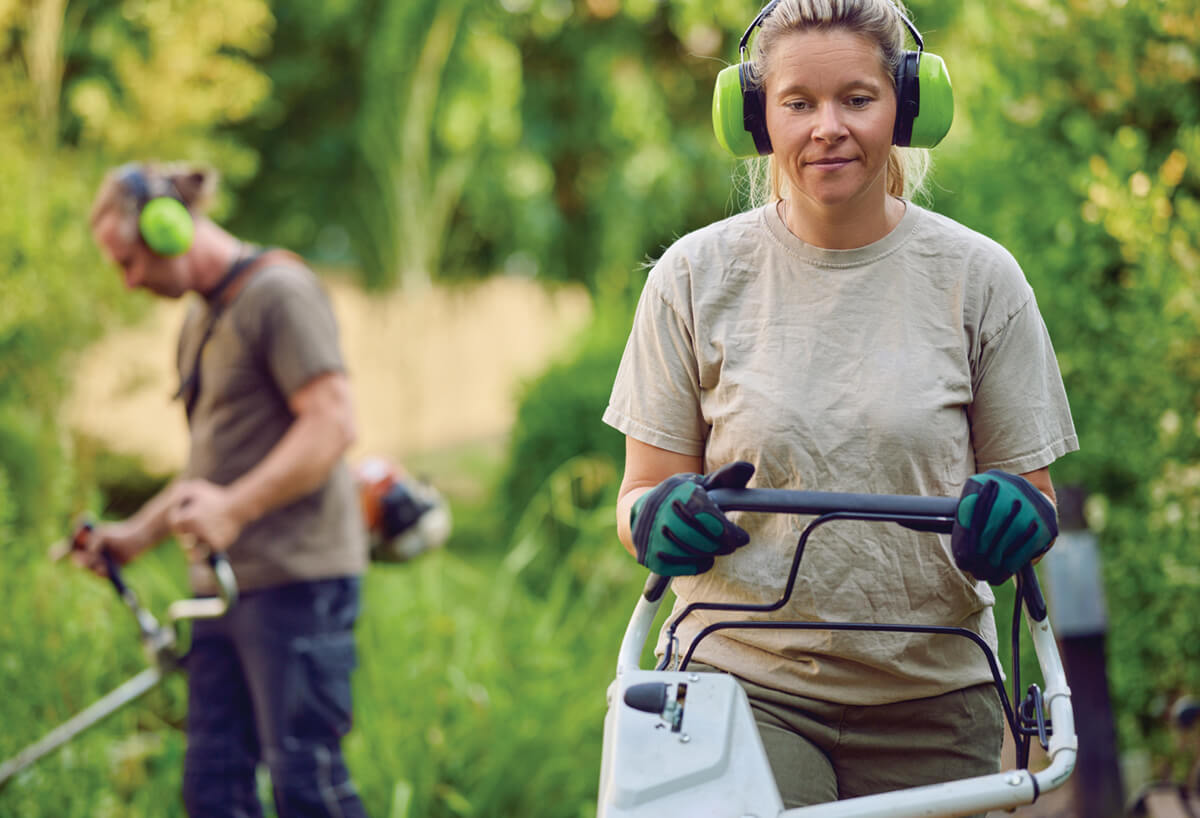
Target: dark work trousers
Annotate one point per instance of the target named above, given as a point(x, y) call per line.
point(270, 681)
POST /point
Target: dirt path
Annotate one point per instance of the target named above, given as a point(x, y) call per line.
point(430, 369)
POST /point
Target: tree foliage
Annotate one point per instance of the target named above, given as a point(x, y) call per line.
point(83, 87)
point(570, 140)
point(1081, 160)
point(469, 137)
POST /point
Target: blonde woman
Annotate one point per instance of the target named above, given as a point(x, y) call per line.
point(840, 337)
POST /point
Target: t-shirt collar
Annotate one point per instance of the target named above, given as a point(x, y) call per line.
point(853, 257)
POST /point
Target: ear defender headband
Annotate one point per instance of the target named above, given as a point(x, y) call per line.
point(163, 221)
point(924, 99)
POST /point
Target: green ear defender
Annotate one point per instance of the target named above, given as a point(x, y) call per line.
point(924, 99)
point(924, 96)
point(935, 110)
point(739, 120)
point(163, 221)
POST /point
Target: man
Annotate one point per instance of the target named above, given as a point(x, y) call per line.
point(270, 416)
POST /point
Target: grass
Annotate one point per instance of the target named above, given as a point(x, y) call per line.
point(479, 691)
point(482, 676)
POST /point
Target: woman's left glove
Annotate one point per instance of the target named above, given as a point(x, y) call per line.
point(1003, 522)
point(678, 529)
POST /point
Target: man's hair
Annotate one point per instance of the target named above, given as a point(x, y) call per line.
point(193, 185)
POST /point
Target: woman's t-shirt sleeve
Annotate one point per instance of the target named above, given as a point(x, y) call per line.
point(656, 395)
point(1020, 418)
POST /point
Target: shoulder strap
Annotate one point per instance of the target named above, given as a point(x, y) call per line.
point(189, 387)
point(213, 296)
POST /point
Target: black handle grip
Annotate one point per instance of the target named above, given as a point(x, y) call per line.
point(114, 573)
point(226, 581)
point(937, 512)
point(1031, 590)
point(111, 566)
point(930, 514)
point(913, 511)
point(656, 586)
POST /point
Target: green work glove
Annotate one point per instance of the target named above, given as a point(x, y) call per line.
point(678, 529)
point(1002, 523)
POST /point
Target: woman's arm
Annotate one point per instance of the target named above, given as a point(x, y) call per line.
point(645, 467)
point(1041, 481)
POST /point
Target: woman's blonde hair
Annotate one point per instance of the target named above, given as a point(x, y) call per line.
point(194, 185)
point(878, 21)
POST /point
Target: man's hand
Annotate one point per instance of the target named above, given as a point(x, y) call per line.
point(123, 541)
point(1003, 522)
point(203, 512)
point(678, 530)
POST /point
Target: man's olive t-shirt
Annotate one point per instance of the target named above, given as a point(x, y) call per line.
point(902, 367)
point(276, 335)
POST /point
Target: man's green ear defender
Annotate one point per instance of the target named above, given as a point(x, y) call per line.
point(924, 99)
point(163, 221)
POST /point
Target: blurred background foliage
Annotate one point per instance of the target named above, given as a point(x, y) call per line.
point(562, 140)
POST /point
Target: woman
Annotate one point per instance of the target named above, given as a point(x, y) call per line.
point(841, 338)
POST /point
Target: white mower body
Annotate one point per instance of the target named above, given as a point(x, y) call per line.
point(704, 759)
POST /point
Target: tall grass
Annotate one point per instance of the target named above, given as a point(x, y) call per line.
point(480, 689)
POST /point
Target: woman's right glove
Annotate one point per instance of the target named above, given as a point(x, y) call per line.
point(678, 529)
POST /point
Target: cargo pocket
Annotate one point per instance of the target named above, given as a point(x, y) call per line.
point(320, 704)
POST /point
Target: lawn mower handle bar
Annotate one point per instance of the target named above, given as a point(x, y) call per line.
point(912, 511)
point(899, 507)
point(997, 791)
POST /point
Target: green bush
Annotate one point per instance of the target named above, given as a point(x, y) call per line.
point(474, 696)
point(558, 419)
point(1082, 162)
point(122, 481)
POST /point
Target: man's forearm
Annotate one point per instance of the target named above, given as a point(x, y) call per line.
point(299, 464)
point(151, 519)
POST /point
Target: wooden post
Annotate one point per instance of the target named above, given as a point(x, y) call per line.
point(1072, 576)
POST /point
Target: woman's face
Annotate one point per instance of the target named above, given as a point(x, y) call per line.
point(830, 110)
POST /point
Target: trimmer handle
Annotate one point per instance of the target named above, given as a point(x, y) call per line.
point(227, 591)
point(208, 607)
point(111, 566)
point(226, 583)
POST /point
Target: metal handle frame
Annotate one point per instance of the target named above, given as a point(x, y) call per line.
point(936, 514)
point(158, 641)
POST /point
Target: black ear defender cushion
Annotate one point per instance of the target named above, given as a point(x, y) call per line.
point(133, 180)
point(908, 97)
point(754, 109)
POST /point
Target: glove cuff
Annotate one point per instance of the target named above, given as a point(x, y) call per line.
point(645, 511)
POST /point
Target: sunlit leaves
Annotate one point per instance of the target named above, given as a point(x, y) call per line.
point(167, 72)
point(1081, 161)
point(483, 100)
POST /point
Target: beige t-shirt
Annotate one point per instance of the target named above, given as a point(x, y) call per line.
point(276, 335)
point(901, 367)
